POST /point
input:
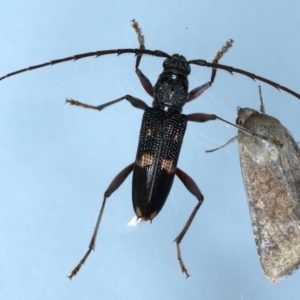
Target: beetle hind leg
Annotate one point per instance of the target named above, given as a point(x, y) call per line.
point(191, 185)
point(114, 185)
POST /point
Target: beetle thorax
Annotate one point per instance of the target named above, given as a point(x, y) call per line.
point(170, 91)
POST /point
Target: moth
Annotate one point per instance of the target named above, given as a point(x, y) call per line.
point(271, 174)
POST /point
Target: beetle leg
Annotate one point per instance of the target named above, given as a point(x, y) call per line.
point(141, 40)
point(200, 117)
point(196, 92)
point(147, 85)
point(192, 188)
point(115, 184)
point(143, 79)
point(218, 56)
point(193, 94)
point(135, 102)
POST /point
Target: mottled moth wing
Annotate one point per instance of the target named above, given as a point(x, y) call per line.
point(271, 178)
point(291, 167)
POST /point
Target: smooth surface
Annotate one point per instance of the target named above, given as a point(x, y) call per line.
point(56, 161)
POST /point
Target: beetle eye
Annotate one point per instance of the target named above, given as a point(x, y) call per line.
point(187, 67)
point(169, 61)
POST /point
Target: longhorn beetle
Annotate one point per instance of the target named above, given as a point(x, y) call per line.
point(162, 132)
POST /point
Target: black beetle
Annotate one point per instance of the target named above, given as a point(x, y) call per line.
point(161, 137)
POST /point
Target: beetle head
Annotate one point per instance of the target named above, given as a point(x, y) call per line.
point(177, 64)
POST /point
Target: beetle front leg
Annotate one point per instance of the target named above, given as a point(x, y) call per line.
point(195, 93)
point(147, 85)
point(141, 40)
point(218, 56)
point(143, 79)
point(135, 102)
point(115, 184)
point(192, 187)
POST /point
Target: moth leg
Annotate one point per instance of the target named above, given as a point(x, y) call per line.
point(115, 184)
point(192, 188)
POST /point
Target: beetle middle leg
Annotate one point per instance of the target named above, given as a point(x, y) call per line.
point(135, 102)
point(201, 117)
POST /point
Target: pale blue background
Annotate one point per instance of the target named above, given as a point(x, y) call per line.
point(56, 161)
